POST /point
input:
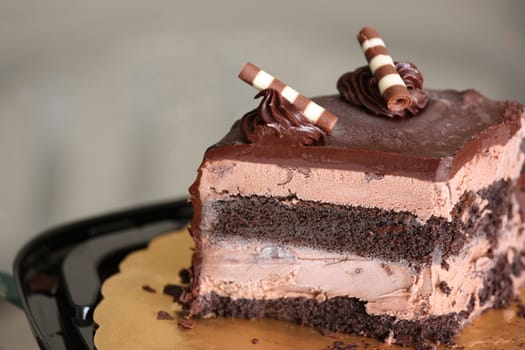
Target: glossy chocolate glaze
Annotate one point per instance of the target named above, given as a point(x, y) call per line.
point(453, 128)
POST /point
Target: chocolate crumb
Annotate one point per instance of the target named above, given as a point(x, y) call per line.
point(445, 265)
point(326, 332)
point(444, 287)
point(255, 341)
point(174, 290)
point(521, 311)
point(338, 345)
point(186, 323)
point(425, 345)
point(163, 315)
point(184, 275)
point(148, 289)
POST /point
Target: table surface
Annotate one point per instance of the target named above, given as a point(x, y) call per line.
point(15, 332)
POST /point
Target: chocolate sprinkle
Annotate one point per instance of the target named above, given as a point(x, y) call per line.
point(148, 289)
point(163, 315)
point(255, 341)
point(186, 323)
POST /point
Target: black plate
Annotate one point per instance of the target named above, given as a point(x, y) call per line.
point(58, 274)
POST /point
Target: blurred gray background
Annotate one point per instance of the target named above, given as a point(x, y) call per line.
point(110, 104)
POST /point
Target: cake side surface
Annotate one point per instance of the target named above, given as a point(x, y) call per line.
point(259, 265)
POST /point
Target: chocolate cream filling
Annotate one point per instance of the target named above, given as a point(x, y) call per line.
point(349, 315)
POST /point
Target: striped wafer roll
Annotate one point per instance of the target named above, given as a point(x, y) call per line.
point(391, 86)
point(261, 80)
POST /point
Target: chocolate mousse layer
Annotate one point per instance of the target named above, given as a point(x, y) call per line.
point(367, 232)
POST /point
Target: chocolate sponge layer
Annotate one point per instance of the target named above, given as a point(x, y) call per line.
point(370, 232)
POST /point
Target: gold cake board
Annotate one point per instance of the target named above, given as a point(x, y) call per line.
point(127, 315)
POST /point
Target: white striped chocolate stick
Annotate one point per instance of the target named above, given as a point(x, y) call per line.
point(391, 85)
point(261, 80)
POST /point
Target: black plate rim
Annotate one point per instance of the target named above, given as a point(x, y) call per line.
point(178, 210)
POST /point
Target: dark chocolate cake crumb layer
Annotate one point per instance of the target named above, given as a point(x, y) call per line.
point(498, 282)
point(368, 232)
point(348, 315)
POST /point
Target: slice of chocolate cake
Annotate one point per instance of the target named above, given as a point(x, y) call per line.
point(396, 223)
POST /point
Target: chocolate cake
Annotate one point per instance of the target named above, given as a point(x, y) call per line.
point(398, 223)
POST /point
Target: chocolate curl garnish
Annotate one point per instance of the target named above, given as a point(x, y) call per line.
point(314, 113)
point(359, 88)
point(390, 84)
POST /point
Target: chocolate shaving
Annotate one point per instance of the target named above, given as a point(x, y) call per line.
point(148, 289)
point(186, 323)
point(164, 315)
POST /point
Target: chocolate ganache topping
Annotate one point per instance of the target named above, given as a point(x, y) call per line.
point(360, 88)
point(276, 120)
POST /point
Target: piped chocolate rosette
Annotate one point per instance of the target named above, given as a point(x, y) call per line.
point(384, 87)
point(284, 115)
point(276, 120)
